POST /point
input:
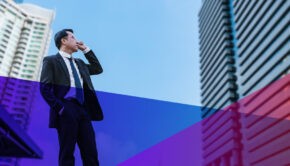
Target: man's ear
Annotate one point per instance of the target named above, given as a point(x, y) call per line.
point(63, 40)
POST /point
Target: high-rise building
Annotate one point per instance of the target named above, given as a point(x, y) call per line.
point(218, 83)
point(25, 32)
point(244, 47)
point(263, 42)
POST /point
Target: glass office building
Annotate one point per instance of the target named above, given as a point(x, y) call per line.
point(218, 83)
point(244, 47)
point(263, 42)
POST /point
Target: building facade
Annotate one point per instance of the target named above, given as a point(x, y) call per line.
point(263, 42)
point(218, 84)
point(25, 32)
point(244, 47)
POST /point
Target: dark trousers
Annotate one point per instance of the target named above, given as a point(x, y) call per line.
point(75, 127)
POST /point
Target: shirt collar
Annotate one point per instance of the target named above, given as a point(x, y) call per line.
point(64, 54)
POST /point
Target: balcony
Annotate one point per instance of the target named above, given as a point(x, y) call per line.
point(14, 141)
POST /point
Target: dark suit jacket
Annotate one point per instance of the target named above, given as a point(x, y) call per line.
point(55, 83)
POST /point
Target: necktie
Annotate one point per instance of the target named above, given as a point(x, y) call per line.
point(79, 88)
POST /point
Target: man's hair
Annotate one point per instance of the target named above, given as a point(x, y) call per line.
point(59, 35)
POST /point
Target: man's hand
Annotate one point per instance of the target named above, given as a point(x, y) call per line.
point(81, 45)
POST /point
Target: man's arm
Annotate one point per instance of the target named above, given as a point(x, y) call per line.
point(46, 86)
point(94, 65)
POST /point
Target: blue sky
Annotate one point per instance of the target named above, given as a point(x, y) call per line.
point(148, 48)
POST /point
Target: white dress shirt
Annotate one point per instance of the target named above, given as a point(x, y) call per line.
point(65, 56)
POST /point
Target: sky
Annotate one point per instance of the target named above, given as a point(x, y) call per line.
point(148, 48)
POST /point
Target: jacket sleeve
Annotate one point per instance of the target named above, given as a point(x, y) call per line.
point(47, 85)
point(94, 65)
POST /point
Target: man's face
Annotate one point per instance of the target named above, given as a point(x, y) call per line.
point(70, 42)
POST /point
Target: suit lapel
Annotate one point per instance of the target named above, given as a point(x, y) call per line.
point(63, 65)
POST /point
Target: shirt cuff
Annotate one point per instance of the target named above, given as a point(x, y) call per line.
point(86, 50)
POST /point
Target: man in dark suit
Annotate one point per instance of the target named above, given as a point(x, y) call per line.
point(67, 88)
